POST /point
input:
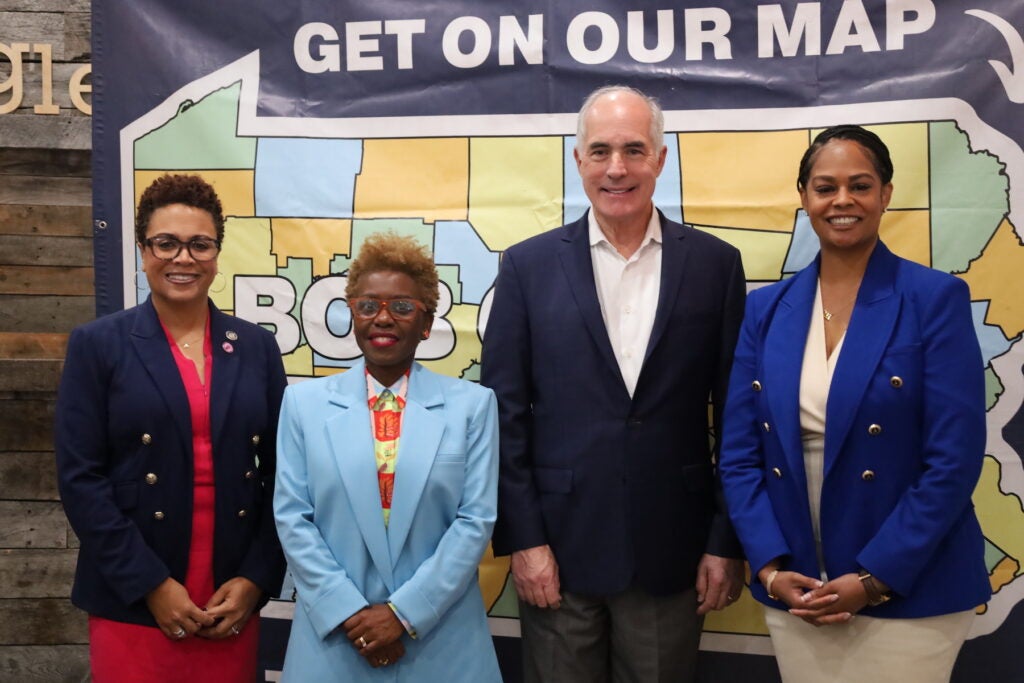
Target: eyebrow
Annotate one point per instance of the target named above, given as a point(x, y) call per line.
point(857, 176)
point(634, 144)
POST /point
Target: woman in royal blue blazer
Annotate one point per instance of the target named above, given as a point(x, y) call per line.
point(165, 433)
point(853, 440)
point(387, 495)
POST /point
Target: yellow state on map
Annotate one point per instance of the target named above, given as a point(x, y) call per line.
point(246, 251)
point(463, 319)
point(235, 188)
point(908, 234)
point(299, 363)
point(998, 275)
point(317, 239)
point(741, 180)
point(1000, 514)
point(764, 252)
point(515, 188)
point(414, 178)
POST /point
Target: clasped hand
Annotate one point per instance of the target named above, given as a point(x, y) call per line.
point(819, 603)
point(375, 633)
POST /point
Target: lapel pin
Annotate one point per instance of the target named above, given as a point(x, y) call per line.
point(228, 348)
point(232, 335)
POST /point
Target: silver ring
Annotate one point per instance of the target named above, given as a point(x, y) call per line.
point(234, 630)
point(384, 661)
point(180, 633)
point(361, 641)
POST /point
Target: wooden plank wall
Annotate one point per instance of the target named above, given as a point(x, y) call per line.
point(46, 288)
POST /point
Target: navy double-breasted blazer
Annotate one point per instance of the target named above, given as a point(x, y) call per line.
point(904, 438)
point(622, 488)
point(123, 438)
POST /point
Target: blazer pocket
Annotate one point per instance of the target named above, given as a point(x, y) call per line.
point(697, 477)
point(552, 480)
point(126, 494)
point(451, 458)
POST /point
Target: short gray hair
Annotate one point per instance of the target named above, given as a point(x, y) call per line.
point(657, 117)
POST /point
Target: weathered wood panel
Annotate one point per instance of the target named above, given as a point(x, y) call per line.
point(47, 280)
point(29, 375)
point(29, 476)
point(28, 313)
point(67, 32)
point(30, 524)
point(33, 250)
point(37, 573)
point(27, 345)
point(44, 664)
point(77, 36)
point(28, 189)
point(42, 621)
point(56, 132)
point(45, 5)
point(26, 425)
point(29, 219)
point(45, 162)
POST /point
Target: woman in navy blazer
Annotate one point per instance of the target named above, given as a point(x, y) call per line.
point(854, 437)
point(165, 435)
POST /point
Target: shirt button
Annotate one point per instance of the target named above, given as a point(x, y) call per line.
point(151, 479)
point(158, 515)
point(146, 439)
point(867, 475)
point(875, 430)
point(627, 309)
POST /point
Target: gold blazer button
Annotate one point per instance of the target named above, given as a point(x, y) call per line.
point(867, 475)
point(875, 430)
point(158, 515)
point(146, 439)
point(255, 439)
point(777, 472)
point(151, 479)
point(755, 385)
point(896, 382)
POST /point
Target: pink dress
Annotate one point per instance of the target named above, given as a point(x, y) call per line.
point(129, 653)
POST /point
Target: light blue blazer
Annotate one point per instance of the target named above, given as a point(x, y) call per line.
point(328, 512)
point(904, 438)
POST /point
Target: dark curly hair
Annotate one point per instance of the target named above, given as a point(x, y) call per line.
point(401, 254)
point(190, 190)
point(871, 143)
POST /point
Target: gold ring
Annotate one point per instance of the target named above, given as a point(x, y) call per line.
point(384, 661)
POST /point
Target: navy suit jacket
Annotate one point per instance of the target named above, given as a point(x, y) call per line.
point(623, 489)
point(123, 438)
point(904, 438)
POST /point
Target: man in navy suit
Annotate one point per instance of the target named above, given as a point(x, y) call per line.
point(606, 339)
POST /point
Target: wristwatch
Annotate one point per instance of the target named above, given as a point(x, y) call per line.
point(875, 595)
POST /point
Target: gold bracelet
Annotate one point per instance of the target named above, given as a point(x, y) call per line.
point(768, 584)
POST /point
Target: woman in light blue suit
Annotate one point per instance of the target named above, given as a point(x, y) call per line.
point(387, 493)
point(853, 440)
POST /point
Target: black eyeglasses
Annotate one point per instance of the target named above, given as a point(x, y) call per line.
point(368, 308)
point(167, 247)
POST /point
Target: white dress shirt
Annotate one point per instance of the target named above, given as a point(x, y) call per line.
point(627, 290)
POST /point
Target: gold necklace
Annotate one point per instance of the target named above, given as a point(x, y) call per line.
point(188, 344)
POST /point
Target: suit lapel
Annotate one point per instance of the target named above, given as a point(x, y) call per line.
point(871, 325)
point(785, 342)
point(674, 253)
point(579, 270)
point(226, 366)
point(421, 435)
point(349, 436)
point(152, 347)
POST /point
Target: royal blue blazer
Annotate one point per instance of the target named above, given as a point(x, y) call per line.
point(622, 488)
point(904, 438)
point(424, 562)
point(123, 438)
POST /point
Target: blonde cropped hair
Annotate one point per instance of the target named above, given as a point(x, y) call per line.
point(399, 253)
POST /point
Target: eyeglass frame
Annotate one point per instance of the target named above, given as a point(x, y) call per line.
point(386, 304)
point(182, 245)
